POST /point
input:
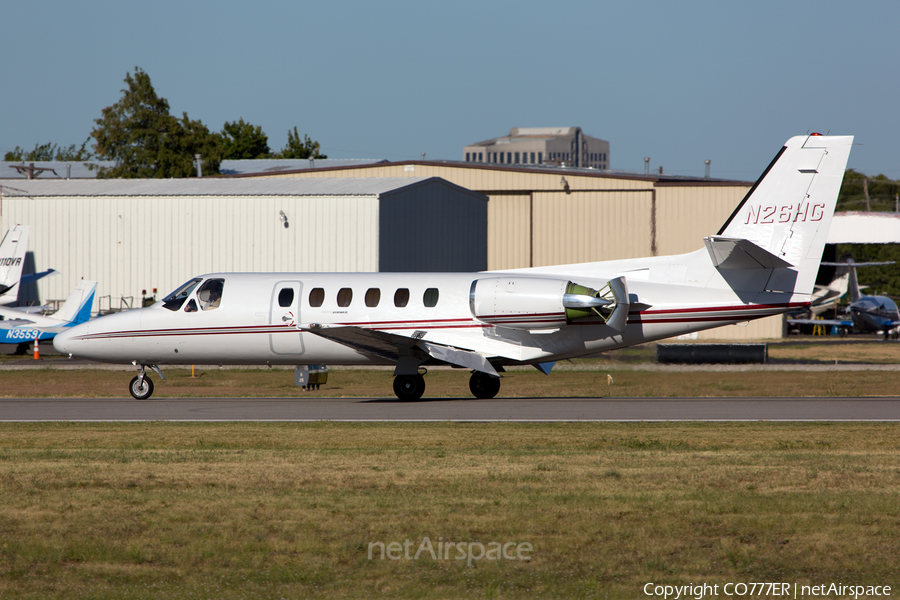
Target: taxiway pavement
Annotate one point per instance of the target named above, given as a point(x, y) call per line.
point(451, 409)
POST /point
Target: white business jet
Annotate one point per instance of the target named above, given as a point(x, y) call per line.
point(762, 262)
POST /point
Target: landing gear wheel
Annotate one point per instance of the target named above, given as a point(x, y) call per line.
point(409, 387)
point(141, 390)
point(484, 386)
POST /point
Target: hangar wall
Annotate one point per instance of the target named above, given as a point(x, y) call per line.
point(163, 232)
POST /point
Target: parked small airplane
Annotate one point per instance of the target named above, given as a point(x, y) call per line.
point(867, 313)
point(20, 327)
point(12, 260)
point(826, 296)
point(762, 262)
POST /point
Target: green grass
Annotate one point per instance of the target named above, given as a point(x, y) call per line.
point(256, 510)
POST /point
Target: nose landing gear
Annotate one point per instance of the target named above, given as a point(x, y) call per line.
point(141, 387)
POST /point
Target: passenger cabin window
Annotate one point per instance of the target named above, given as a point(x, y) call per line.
point(286, 297)
point(176, 299)
point(210, 293)
point(401, 297)
point(373, 297)
point(316, 297)
point(431, 297)
point(345, 297)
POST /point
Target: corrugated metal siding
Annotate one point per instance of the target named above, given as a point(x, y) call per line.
point(509, 232)
point(433, 228)
point(130, 244)
point(687, 214)
point(591, 226)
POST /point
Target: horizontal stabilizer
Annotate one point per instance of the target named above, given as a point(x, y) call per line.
point(738, 254)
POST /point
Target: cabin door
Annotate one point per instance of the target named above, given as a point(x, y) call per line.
point(284, 315)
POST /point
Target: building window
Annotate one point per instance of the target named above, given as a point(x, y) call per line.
point(480, 157)
point(540, 158)
point(509, 157)
point(345, 297)
point(316, 297)
point(467, 157)
point(517, 158)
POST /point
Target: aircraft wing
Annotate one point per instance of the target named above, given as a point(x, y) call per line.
point(839, 322)
point(392, 346)
point(12, 314)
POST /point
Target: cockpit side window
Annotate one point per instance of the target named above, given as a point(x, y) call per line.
point(210, 293)
point(174, 300)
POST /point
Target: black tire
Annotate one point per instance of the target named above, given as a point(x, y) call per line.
point(484, 386)
point(141, 392)
point(409, 387)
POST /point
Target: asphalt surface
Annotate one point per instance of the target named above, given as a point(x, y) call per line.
point(513, 409)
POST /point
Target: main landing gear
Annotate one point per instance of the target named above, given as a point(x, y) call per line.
point(141, 387)
point(410, 388)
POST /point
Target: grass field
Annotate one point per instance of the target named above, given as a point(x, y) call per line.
point(290, 510)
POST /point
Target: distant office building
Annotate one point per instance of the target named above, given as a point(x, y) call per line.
point(556, 146)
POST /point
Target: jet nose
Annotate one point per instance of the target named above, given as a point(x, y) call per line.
point(65, 342)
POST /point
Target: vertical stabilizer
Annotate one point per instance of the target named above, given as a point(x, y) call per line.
point(788, 211)
point(12, 259)
point(77, 307)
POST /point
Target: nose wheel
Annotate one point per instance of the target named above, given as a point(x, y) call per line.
point(141, 387)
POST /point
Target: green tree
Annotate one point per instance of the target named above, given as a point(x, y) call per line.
point(241, 140)
point(50, 152)
point(296, 148)
point(144, 140)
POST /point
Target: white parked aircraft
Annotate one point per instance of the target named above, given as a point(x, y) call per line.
point(19, 326)
point(762, 262)
point(12, 258)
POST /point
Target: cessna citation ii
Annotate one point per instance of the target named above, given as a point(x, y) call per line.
point(762, 262)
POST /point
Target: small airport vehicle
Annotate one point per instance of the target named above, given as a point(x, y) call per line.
point(762, 262)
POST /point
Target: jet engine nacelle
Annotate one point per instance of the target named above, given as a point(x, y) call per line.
point(537, 303)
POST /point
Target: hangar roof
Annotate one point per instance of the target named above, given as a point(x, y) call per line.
point(331, 186)
point(59, 169)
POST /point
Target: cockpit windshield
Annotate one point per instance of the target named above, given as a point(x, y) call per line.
point(174, 300)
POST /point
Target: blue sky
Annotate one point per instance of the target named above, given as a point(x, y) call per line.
point(679, 82)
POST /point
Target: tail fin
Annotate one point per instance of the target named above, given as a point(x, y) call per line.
point(77, 307)
point(788, 212)
point(12, 259)
point(851, 266)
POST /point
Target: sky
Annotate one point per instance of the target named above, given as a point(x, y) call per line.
point(680, 82)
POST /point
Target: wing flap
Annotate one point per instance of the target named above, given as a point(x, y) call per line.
point(392, 346)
